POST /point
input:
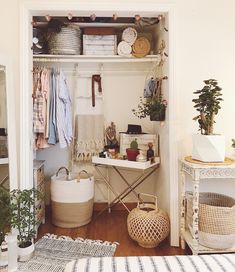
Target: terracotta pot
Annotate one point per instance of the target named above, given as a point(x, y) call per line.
point(132, 154)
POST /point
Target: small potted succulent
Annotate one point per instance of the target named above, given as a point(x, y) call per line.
point(23, 219)
point(132, 152)
point(207, 146)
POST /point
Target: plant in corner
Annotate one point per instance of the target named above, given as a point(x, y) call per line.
point(153, 104)
point(23, 218)
point(207, 146)
point(132, 151)
point(5, 213)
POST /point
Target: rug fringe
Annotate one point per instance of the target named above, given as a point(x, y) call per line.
point(79, 239)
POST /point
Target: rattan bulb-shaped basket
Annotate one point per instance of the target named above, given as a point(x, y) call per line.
point(147, 224)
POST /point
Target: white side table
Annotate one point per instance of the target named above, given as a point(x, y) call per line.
point(199, 172)
point(145, 168)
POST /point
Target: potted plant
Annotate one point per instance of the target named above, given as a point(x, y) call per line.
point(207, 146)
point(133, 151)
point(5, 214)
point(23, 219)
point(154, 107)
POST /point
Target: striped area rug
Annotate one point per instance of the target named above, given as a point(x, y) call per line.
point(53, 252)
point(200, 263)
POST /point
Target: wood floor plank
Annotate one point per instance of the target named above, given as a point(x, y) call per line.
point(111, 227)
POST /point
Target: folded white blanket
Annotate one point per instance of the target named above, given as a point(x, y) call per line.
point(200, 263)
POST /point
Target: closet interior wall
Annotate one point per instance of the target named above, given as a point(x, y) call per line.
point(122, 86)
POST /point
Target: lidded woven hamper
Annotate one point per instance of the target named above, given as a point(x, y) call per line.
point(216, 219)
point(147, 224)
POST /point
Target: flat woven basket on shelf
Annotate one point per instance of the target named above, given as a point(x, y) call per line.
point(147, 224)
point(216, 219)
point(66, 42)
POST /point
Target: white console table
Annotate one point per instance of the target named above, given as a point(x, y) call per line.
point(197, 173)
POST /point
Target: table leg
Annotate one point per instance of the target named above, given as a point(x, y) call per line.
point(127, 183)
point(182, 212)
point(112, 190)
point(195, 215)
point(135, 184)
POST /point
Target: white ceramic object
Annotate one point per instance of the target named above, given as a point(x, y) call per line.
point(12, 252)
point(208, 148)
point(141, 157)
point(24, 254)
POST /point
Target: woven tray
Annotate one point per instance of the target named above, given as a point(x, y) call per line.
point(227, 161)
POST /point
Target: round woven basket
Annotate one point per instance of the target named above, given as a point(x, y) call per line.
point(66, 42)
point(147, 224)
point(216, 219)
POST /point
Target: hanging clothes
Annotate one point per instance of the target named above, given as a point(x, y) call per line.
point(52, 108)
point(63, 111)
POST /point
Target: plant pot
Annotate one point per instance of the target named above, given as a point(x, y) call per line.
point(132, 154)
point(208, 148)
point(25, 253)
point(158, 115)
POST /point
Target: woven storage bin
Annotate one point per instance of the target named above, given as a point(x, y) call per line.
point(72, 199)
point(66, 42)
point(216, 219)
point(147, 224)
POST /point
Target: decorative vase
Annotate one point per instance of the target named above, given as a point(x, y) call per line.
point(158, 115)
point(141, 157)
point(25, 253)
point(132, 154)
point(208, 148)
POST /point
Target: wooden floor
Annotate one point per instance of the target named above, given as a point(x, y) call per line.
point(111, 227)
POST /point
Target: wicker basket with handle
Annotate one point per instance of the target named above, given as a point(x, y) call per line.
point(147, 224)
point(216, 219)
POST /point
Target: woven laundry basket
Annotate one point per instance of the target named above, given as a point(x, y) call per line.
point(72, 199)
point(147, 224)
point(66, 42)
point(216, 219)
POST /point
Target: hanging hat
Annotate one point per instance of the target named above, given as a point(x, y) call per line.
point(134, 129)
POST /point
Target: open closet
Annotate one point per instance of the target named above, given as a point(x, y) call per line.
point(110, 83)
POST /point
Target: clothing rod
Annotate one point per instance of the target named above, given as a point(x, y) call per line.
point(68, 60)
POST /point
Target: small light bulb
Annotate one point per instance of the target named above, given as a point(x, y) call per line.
point(70, 16)
point(48, 17)
point(33, 23)
point(115, 16)
point(137, 18)
point(93, 17)
point(160, 17)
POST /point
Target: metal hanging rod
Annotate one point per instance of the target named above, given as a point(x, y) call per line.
point(95, 59)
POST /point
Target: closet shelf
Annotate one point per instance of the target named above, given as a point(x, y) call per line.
point(94, 58)
point(3, 160)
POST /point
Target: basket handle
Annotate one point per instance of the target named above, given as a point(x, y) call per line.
point(61, 168)
point(148, 195)
point(83, 171)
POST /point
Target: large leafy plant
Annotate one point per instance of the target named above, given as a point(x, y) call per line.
point(5, 213)
point(208, 105)
point(23, 217)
